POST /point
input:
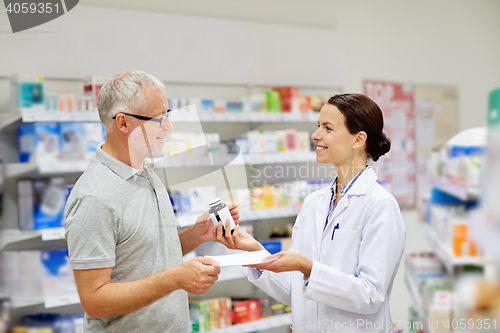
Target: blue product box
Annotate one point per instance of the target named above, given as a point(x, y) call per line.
point(272, 247)
point(38, 142)
point(182, 202)
point(207, 105)
point(94, 135)
point(58, 278)
point(72, 141)
point(50, 195)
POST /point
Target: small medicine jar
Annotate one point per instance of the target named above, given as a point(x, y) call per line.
point(218, 211)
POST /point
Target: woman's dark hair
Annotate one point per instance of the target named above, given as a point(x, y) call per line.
point(363, 114)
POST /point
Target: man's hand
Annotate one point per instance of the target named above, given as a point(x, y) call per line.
point(205, 228)
point(286, 261)
point(238, 240)
point(197, 276)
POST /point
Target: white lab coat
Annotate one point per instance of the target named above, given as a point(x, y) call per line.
point(352, 275)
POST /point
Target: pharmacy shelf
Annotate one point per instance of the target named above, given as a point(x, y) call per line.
point(232, 159)
point(246, 117)
point(487, 234)
point(252, 215)
point(458, 190)
point(415, 295)
point(444, 252)
point(258, 325)
point(253, 117)
point(88, 116)
point(15, 170)
point(48, 301)
point(17, 240)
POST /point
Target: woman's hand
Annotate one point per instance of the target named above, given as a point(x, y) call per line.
point(205, 228)
point(237, 240)
point(286, 261)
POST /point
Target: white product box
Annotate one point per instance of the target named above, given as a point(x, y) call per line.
point(200, 196)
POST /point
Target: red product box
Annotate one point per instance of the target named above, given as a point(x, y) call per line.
point(289, 98)
point(92, 85)
point(246, 310)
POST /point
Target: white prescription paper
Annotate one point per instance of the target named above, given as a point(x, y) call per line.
point(246, 258)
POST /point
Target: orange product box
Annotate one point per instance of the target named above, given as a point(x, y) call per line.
point(462, 245)
point(305, 104)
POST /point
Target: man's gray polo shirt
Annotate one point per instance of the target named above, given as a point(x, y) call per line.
point(115, 218)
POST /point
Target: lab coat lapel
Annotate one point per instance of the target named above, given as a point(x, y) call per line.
point(322, 207)
point(341, 205)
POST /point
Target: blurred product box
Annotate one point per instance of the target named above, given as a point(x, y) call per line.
point(67, 102)
point(246, 310)
point(289, 97)
point(37, 273)
point(208, 315)
point(72, 142)
point(273, 101)
point(199, 198)
point(234, 106)
point(41, 202)
point(27, 93)
point(92, 85)
point(305, 104)
point(38, 142)
point(276, 244)
point(50, 323)
point(57, 275)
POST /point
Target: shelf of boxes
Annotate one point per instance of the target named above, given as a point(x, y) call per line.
point(444, 252)
point(415, 295)
point(252, 117)
point(257, 325)
point(458, 190)
point(48, 301)
point(250, 215)
point(12, 239)
point(13, 170)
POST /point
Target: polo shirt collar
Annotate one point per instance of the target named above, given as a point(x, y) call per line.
point(118, 167)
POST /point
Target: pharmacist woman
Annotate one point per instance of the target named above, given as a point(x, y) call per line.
point(349, 237)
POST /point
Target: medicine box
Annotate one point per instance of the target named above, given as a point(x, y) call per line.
point(41, 202)
point(38, 142)
point(92, 85)
point(26, 93)
point(57, 274)
point(72, 141)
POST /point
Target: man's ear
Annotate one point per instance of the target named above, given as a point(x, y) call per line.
point(121, 123)
point(359, 140)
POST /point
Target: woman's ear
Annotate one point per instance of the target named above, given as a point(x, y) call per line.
point(359, 140)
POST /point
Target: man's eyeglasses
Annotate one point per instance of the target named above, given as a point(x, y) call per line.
point(162, 120)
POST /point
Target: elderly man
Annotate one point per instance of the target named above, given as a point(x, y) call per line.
point(124, 247)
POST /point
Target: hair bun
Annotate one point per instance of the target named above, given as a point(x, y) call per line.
point(380, 147)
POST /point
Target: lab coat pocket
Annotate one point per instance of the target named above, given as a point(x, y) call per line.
point(342, 252)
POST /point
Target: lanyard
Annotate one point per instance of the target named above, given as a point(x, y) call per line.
point(334, 195)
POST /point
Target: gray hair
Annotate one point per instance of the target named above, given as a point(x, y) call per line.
point(125, 93)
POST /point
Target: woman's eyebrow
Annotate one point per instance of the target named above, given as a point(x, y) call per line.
point(327, 122)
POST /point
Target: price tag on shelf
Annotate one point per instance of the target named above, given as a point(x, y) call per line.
point(61, 300)
point(52, 234)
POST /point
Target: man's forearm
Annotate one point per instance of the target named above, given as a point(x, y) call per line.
point(190, 240)
point(113, 299)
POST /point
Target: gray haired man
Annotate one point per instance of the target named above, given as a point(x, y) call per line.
point(124, 247)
